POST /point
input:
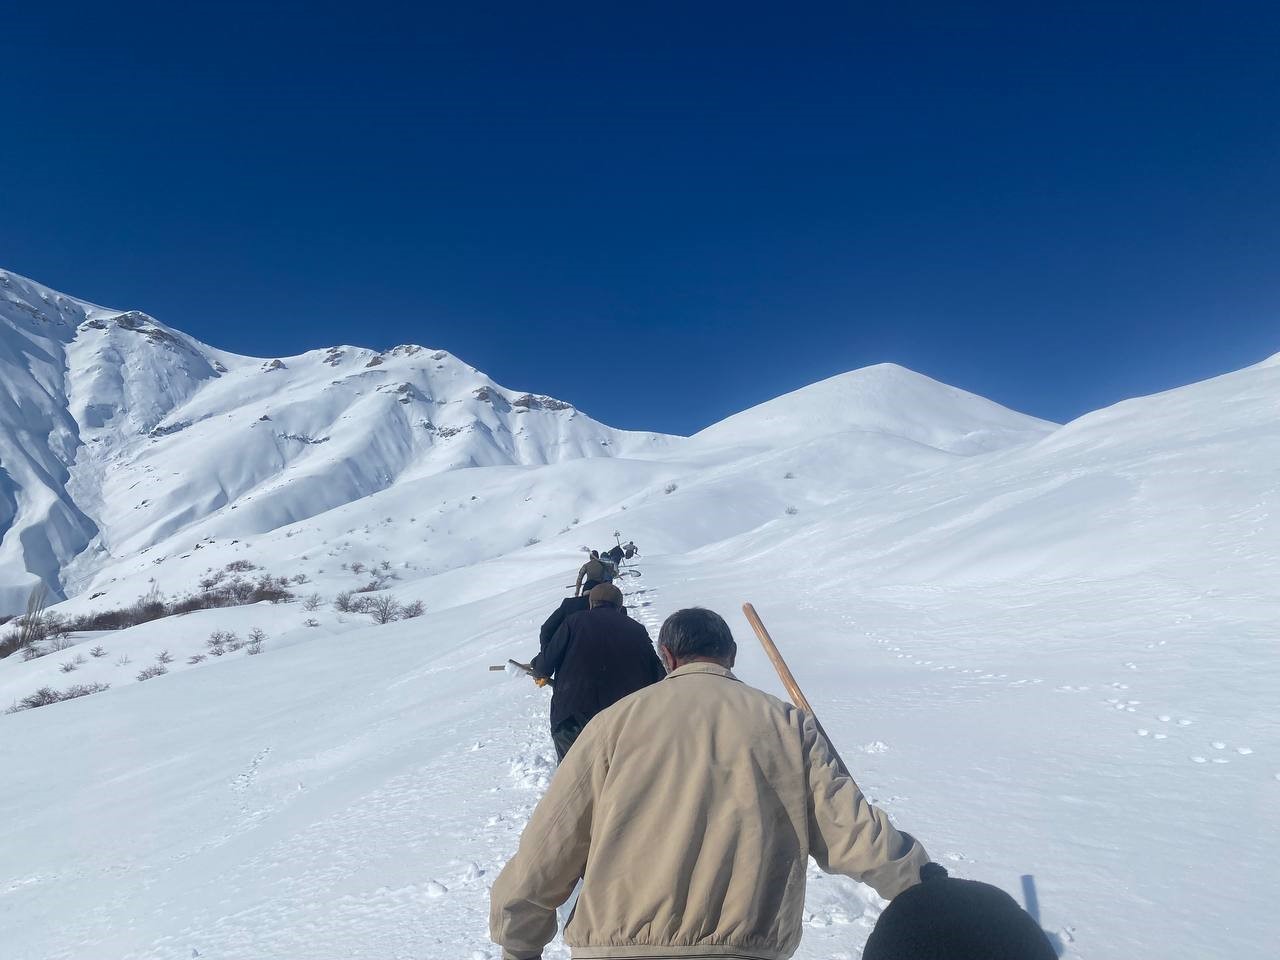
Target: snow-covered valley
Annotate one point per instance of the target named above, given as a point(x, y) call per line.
point(1046, 651)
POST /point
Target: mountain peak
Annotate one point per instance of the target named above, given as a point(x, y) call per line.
point(884, 398)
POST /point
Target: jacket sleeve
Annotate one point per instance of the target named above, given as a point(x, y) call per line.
point(550, 860)
point(549, 628)
point(547, 663)
point(847, 835)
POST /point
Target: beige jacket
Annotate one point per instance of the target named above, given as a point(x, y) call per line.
point(690, 809)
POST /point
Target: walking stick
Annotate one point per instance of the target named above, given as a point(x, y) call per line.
point(788, 679)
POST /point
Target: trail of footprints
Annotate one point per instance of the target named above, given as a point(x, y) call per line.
point(1219, 752)
point(1210, 752)
point(970, 673)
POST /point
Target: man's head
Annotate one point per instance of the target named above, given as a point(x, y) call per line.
point(605, 595)
point(696, 635)
point(595, 554)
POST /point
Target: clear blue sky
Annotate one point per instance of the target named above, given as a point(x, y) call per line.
point(714, 203)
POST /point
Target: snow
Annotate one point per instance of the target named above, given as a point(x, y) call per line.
point(1046, 651)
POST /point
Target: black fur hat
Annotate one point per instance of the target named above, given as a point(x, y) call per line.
point(947, 919)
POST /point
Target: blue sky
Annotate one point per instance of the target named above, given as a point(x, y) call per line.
point(665, 213)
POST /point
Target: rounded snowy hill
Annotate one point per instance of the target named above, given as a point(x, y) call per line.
point(884, 399)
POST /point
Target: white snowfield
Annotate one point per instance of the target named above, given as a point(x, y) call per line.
point(1046, 651)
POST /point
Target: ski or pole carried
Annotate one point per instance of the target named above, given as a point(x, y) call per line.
point(785, 675)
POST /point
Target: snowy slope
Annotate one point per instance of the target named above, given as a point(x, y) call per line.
point(1045, 652)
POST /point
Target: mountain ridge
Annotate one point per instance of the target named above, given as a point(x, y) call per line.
point(124, 434)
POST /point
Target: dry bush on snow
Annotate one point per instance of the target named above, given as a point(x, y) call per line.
point(47, 695)
point(384, 609)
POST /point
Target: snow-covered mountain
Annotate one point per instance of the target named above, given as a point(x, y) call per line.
point(125, 442)
point(118, 433)
point(1048, 652)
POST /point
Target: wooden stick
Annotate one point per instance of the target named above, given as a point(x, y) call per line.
point(787, 677)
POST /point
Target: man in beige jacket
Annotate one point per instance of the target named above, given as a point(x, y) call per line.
point(689, 811)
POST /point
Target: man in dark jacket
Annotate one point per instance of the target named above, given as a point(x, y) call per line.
point(596, 657)
point(568, 607)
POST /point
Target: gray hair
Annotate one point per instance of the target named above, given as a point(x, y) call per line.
point(697, 632)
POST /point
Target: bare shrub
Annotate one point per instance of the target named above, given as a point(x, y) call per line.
point(123, 660)
point(357, 567)
point(788, 475)
point(792, 511)
point(41, 698)
point(155, 670)
point(271, 588)
point(384, 609)
point(217, 642)
point(300, 578)
point(361, 604)
point(311, 602)
point(531, 541)
point(413, 608)
point(342, 602)
point(32, 627)
point(47, 695)
point(239, 566)
point(55, 628)
point(234, 643)
point(211, 581)
point(385, 564)
point(97, 652)
point(164, 656)
point(83, 690)
point(373, 586)
point(197, 658)
point(67, 666)
point(670, 488)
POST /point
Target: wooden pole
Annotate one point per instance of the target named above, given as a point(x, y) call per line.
point(787, 677)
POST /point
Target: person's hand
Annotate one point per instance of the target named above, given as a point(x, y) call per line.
point(540, 682)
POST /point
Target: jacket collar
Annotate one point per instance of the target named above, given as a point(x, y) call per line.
point(700, 667)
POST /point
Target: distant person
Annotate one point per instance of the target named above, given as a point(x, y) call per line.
point(595, 658)
point(630, 550)
point(591, 573)
point(948, 919)
point(689, 811)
